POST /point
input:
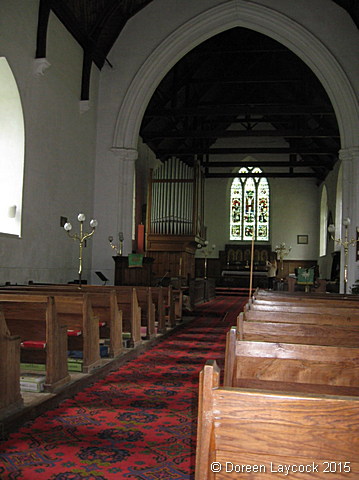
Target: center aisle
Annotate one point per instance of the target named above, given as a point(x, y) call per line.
point(139, 422)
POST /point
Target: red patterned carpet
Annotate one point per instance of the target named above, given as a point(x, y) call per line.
point(137, 423)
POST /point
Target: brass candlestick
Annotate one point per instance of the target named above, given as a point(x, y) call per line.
point(282, 251)
point(80, 237)
point(345, 243)
point(205, 251)
point(118, 249)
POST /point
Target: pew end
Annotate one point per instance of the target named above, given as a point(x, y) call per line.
point(10, 395)
point(255, 432)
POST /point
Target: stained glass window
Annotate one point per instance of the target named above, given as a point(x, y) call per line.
point(249, 215)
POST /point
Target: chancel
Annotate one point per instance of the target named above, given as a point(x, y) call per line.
point(206, 139)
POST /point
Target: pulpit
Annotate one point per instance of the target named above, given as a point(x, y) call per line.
point(132, 275)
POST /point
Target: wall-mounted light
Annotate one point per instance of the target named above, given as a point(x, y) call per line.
point(11, 213)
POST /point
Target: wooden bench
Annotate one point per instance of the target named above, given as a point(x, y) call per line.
point(10, 396)
point(158, 299)
point(254, 434)
point(104, 306)
point(169, 303)
point(131, 314)
point(300, 367)
point(284, 301)
point(74, 310)
point(327, 298)
point(316, 316)
point(344, 335)
point(170, 308)
point(178, 301)
point(325, 309)
point(318, 302)
point(148, 309)
point(36, 321)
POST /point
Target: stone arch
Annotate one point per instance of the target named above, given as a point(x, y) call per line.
point(215, 20)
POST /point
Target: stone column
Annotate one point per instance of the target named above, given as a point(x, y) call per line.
point(350, 208)
point(127, 159)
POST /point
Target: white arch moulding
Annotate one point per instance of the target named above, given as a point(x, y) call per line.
point(231, 14)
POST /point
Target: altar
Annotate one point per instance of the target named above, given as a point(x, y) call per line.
point(238, 278)
point(236, 264)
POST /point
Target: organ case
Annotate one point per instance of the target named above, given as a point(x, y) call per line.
point(174, 224)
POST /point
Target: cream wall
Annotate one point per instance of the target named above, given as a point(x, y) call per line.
point(294, 211)
point(59, 149)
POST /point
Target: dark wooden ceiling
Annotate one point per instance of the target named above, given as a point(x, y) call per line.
point(239, 93)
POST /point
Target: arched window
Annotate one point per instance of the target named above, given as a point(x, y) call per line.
point(249, 215)
point(12, 140)
point(323, 222)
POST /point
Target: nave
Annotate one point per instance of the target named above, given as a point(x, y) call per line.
point(137, 422)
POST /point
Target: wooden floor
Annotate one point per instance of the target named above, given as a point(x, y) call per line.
point(37, 403)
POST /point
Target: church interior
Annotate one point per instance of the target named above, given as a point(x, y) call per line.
point(176, 145)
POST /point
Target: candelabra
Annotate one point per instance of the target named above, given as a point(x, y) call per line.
point(118, 249)
point(345, 243)
point(205, 251)
point(80, 237)
point(282, 251)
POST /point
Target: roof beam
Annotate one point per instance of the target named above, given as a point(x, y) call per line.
point(265, 164)
point(153, 135)
point(241, 109)
point(260, 175)
point(248, 151)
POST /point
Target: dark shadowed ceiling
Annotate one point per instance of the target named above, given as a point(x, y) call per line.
point(238, 94)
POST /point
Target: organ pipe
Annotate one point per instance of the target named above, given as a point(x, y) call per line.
point(176, 199)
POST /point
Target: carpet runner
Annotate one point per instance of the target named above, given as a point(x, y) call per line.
point(139, 422)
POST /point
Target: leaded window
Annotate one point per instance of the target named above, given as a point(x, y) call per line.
point(249, 215)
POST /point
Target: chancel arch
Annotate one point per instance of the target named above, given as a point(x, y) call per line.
point(322, 58)
point(215, 20)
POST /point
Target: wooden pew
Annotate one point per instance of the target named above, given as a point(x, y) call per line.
point(328, 298)
point(178, 301)
point(148, 310)
point(10, 396)
point(74, 310)
point(131, 314)
point(343, 335)
point(316, 316)
point(36, 321)
point(170, 306)
point(296, 367)
point(254, 434)
point(104, 306)
point(303, 302)
point(158, 299)
point(324, 309)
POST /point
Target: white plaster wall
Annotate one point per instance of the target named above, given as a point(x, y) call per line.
point(111, 181)
point(59, 149)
